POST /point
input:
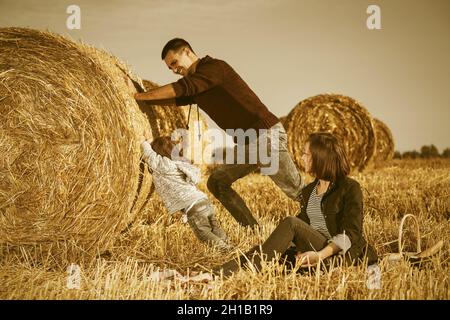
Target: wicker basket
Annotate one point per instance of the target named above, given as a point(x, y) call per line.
point(419, 254)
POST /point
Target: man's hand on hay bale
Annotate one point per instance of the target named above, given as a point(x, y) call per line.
point(162, 96)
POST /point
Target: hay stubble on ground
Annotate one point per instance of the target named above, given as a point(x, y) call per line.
point(400, 187)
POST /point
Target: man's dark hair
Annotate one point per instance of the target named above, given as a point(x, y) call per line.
point(174, 45)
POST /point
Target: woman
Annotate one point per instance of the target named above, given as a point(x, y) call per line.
point(331, 215)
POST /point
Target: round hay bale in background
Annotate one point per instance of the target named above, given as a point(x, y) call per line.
point(70, 131)
point(167, 119)
point(385, 146)
point(337, 114)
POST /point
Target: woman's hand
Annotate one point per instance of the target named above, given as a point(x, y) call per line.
point(308, 259)
point(311, 258)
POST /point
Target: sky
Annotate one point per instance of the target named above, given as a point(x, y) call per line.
point(286, 50)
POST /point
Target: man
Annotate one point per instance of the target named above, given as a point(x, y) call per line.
point(217, 89)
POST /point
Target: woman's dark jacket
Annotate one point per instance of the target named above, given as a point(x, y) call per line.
point(342, 207)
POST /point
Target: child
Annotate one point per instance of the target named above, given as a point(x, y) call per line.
point(175, 182)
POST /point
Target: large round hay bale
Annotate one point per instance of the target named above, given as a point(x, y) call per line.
point(385, 146)
point(70, 131)
point(167, 119)
point(142, 122)
point(337, 114)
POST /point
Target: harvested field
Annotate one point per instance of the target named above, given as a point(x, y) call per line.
point(398, 188)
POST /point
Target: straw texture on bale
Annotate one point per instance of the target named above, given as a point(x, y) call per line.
point(385, 147)
point(167, 119)
point(69, 137)
point(334, 113)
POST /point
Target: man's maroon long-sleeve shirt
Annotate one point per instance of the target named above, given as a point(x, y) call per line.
point(218, 90)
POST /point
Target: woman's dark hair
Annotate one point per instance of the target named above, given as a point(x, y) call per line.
point(164, 145)
point(174, 45)
point(329, 160)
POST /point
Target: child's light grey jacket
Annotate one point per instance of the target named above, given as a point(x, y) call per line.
point(174, 180)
